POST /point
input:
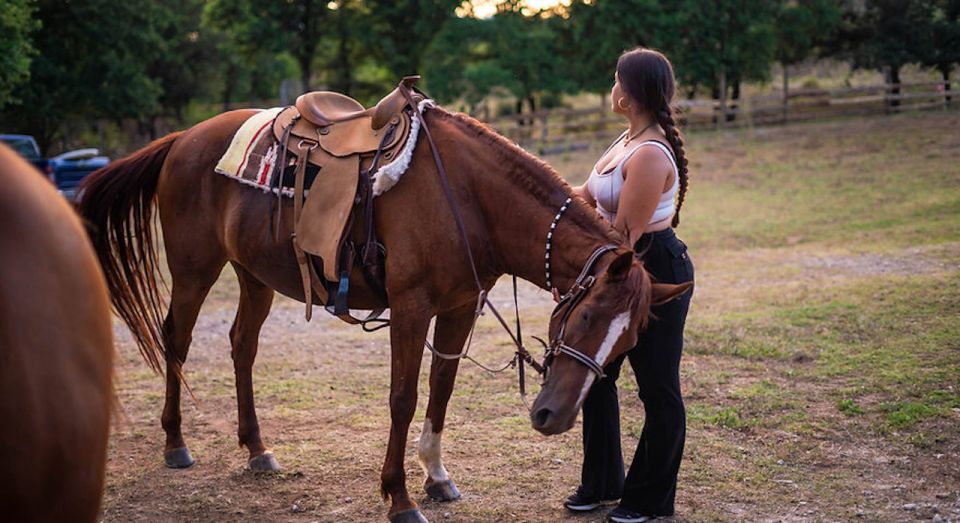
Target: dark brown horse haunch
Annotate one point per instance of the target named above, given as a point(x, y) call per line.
point(507, 200)
point(56, 355)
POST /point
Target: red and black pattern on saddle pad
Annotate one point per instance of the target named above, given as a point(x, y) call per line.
point(253, 157)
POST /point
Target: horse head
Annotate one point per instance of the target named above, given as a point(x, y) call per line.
point(594, 323)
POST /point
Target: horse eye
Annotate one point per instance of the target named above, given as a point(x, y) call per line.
point(585, 316)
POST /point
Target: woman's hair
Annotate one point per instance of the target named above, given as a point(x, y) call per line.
point(647, 77)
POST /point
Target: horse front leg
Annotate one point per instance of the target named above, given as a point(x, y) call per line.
point(408, 332)
point(450, 333)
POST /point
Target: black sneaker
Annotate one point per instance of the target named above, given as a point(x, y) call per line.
point(622, 515)
point(581, 503)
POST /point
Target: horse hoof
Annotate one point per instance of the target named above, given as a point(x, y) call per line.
point(412, 515)
point(442, 490)
point(178, 458)
point(265, 462)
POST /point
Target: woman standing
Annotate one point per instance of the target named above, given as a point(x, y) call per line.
point(638, 185)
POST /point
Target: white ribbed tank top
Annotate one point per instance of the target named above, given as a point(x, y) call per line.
point(605, 187)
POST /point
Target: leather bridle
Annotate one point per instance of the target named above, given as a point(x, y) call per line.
point(566, 303)
point(564, 309)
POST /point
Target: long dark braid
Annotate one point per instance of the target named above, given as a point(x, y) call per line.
point(647, 76)
point(672, 131)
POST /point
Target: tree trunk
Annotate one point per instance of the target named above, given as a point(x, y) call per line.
point(895, 81)
point(229, 84)
point(343, 53)
point(735, 98)
point(520, 121)
point(945, 74)
point(786, 93)
point(308, 44)
point(722, 97)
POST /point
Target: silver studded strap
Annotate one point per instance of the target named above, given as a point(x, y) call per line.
point(553, 227)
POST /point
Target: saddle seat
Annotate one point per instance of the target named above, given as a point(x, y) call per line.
point(323, 108)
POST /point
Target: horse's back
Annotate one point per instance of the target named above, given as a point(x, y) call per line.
point(56, 354)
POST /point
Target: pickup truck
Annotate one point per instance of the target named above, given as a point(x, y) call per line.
point(65, 170)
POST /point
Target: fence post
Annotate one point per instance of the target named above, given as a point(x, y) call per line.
point(722, 118)
point(786, 94)
point(544, 131)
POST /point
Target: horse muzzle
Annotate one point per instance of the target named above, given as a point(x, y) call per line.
point(556, 407)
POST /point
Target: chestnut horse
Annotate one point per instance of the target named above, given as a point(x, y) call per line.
point(56, 354)
point(507, 200)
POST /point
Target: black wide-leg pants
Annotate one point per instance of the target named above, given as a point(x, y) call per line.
point(651, 483)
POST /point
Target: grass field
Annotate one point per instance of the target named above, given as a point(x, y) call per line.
point(821, 369)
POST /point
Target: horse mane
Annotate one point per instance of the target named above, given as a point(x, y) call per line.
point(533, 175)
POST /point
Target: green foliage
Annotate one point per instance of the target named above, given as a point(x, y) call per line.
point(397, 32)
point(940, 47)
point(513, 52)
point(888, 34)
point(16, 50)
point(803, 25)
point(732, 40)
point(92, 62)
point(186, 57)
point(598, 32)
point(254, 26)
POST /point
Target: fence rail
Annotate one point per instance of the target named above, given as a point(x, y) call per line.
point(558, 130)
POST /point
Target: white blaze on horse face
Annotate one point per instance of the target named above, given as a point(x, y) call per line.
point(616, 329)
point(428, 452)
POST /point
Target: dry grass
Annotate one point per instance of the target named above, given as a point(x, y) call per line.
point(821, 370)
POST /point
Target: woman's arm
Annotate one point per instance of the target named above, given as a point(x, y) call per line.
point(583, 192)
point(645, 175)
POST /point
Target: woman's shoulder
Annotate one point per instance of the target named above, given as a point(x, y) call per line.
point(648, 154)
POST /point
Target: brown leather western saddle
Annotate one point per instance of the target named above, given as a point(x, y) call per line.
point(346, 143)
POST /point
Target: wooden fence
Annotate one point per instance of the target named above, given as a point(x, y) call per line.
point(559, 130)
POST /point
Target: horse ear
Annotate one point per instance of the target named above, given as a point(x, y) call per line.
point(620, 267)
point(665, 292)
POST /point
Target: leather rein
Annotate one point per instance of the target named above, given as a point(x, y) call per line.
point(566, 303)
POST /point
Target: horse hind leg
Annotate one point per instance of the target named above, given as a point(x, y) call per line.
point(186, 297)
point(255, 302)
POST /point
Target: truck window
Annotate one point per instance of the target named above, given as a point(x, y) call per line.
point(24, 147)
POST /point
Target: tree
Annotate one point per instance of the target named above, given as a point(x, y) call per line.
point(526, 48)
point(801, 27)
point(470, 58)
point(886, 35)
point(16, 50)
point(941, 47)
point(596, 33)
point(398, 32)
point(291, 26)
point(459, 63)
point(91, 63)
point(724, 43)
point(187, 56)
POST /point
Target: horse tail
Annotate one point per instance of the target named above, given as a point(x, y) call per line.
point(116, 203)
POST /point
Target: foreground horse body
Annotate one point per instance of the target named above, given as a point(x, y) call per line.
point(56, 355)
point(506, 197)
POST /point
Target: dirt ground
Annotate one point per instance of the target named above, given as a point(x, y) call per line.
point(781, 427)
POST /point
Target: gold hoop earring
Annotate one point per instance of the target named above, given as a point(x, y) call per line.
point(620, 104)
